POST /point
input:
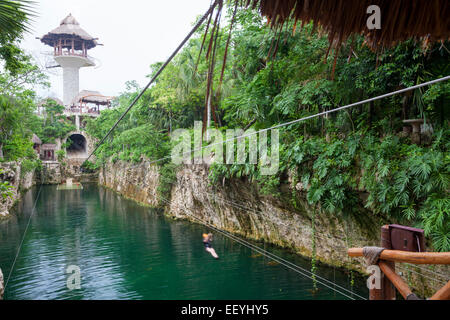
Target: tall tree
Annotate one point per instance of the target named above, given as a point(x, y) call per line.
point(15, 17)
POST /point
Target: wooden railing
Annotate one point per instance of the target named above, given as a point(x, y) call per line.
point(386, 263)
point(408, 257)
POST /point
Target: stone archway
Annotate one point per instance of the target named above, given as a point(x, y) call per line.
point(79, 145)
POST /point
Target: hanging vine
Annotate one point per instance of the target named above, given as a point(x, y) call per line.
point(313, 258)
point(349, 263)
point(294, 190)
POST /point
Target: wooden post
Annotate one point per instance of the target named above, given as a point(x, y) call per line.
point(387, 286)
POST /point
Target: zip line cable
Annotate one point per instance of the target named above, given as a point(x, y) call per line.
point(279, 125)
point(420, 274)
point(276, 258)
point(324, 113)
point(261, 213)
point(269, 255)
point(199, 23)
point(445, 276)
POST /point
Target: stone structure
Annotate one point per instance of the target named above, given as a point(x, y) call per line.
point(20, 181)
point(2, 285)
point(70, 45)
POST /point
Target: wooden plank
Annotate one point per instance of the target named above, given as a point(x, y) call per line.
point(406, 256)
point(443, 293)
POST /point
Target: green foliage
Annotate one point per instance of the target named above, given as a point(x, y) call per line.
point(53, 124)
point(17, 106)
point(61, 154)
point(89, 167)
point(29, 165)
point(5, 187)
point(167, 177)
point(403, 181)
point(15, 139)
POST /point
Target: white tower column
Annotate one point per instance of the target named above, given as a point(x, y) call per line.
point(71, 79)
point(77, 122)
point(71, 73)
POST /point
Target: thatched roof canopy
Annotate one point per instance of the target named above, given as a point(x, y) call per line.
point(36, 139)
point(86, 96)
point(400, 19)
point(70, 28)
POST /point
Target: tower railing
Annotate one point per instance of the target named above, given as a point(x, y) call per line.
point(70, 53)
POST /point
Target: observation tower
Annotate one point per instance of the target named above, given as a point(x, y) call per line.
point(70, 45)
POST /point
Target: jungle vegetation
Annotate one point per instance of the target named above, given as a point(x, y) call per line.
point(20, 77)
point(333, 160)
point(361, 150)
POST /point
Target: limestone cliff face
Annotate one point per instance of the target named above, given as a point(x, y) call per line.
point(137, 182)
point(2, 286)
point(20, 182)
point(237, 207)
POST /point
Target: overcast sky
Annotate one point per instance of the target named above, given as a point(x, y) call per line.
point(135, 34)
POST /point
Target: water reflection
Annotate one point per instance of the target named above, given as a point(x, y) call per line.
point(126, 251)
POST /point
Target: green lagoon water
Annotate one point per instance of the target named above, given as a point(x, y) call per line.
point(126, 251)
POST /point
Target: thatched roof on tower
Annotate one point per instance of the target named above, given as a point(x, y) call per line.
point(95, 97)
point(69, 27)
point(400, 19)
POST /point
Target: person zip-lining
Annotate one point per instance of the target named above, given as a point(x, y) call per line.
point(207, 238)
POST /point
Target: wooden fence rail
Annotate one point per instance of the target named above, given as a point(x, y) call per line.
point(388, 258)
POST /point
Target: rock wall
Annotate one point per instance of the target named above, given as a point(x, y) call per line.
point(54, 172)
point(237, 206)
point(20, 182)
point(50, 173)
point(137, 182)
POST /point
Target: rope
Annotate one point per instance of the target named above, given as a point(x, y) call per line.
point(23, 237)
point(372, 254)
point(261, 213)
point(288, 264)
point(334, 245)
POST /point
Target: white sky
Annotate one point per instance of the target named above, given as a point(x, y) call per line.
point(135, 34)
